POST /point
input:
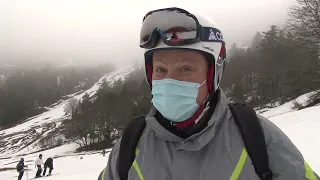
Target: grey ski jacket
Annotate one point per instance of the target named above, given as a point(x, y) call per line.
point(216, 153)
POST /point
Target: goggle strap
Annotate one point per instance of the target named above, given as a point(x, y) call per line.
point(209, 34)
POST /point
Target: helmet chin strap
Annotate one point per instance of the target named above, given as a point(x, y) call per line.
point(209, 97)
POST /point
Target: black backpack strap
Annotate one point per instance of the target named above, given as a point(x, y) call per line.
point(129, 141)
point(253, 138)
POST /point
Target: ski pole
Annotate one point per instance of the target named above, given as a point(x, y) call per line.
point(27, 172)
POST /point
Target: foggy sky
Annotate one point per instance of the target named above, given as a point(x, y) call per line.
point(108, 30)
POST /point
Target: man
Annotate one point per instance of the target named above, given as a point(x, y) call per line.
point(190, 132)
point(38, 164)
point(48, 164)
point(20, 168)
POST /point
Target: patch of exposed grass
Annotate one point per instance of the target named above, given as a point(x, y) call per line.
point(7, 169)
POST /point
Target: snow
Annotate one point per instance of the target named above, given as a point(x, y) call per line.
point(55, 115)
point(2, 78)
point(58, 80)
point(61, 150)
point(301, 127)
point(67, 165)
point(286, 107)
point(110, 78)
point(71, 167)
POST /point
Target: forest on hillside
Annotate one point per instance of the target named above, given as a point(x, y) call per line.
point(28, 92)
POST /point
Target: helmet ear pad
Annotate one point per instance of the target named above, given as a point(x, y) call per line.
point(210, 78)
point(149, 71)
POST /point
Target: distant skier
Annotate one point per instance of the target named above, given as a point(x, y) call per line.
point(20, 168)
point(48, 164)
point(104, 153)
point(38, 164)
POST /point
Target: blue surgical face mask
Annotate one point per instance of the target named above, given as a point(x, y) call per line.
point(175, 100)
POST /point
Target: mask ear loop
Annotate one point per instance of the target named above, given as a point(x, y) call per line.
point(206, 101)
point(202, 83)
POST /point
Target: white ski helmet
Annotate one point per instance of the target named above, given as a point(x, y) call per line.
point(203, 33)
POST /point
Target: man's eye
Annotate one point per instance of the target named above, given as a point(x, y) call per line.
point(186, 69)
point(160, 70)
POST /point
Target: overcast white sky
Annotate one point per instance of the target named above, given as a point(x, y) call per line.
point(108, 30)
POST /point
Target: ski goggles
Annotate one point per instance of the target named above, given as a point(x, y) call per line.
point(176, 27)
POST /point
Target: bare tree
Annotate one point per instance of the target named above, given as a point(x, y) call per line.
point(305, 20)
point(72, 108)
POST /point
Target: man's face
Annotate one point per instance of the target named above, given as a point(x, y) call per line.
point(182, 65)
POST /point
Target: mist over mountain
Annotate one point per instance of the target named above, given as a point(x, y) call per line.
point(40, 32)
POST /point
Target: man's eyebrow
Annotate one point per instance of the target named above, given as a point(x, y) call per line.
point(160, 58)
point(188, 59)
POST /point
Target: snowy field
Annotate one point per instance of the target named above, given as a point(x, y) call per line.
point(65, 168)
point(301, 126)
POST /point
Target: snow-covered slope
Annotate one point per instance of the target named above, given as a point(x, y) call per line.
point(301, 127)
point(24, 137)
point(286, 107)
point(66, 167)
